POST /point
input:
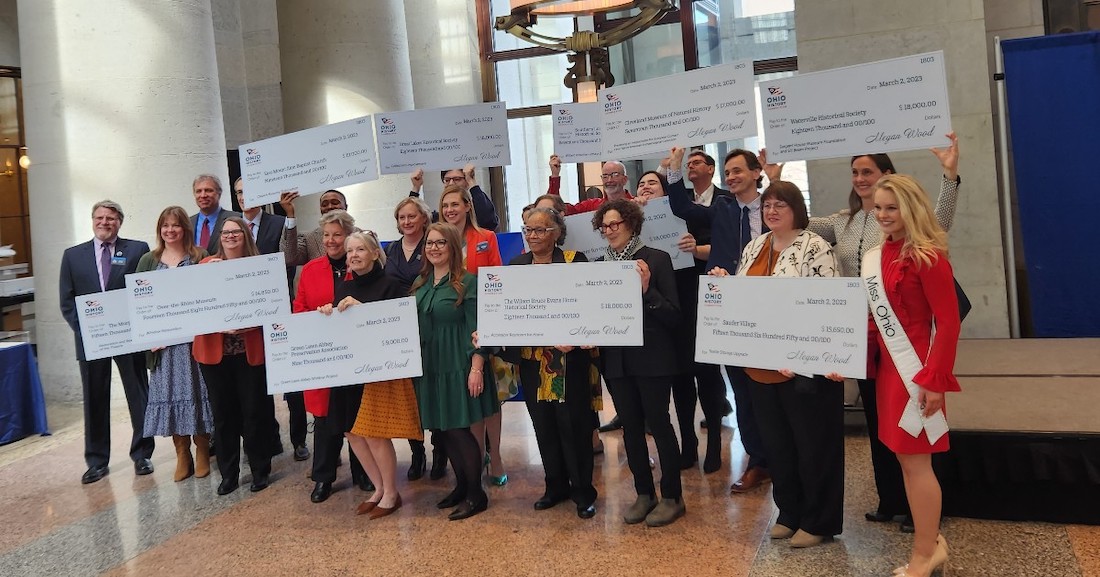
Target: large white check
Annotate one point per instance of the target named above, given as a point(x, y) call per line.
point(308, 161)
point(885, 106)
point(366, 343)
point(105, 326)
point(443, 138)
point(713, 104)
point(808, 325)
point(584, 303)
point(208, 298)
point(661, 230)
point(577, 129)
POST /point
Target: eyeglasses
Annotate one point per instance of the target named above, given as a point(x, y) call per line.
point(776, 206)
point(454, 179)
point(441, 243)
point(696, 162)
point(528, 231)
point(231, 233)
point(612, 226)
point(608, 175)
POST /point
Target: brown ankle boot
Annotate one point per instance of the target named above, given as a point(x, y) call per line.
point(185, 466)
point(202, 456)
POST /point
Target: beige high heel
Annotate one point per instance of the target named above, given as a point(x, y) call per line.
point(939, 557)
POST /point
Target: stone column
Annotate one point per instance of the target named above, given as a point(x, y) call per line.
point(121, 101)
point(342, 60)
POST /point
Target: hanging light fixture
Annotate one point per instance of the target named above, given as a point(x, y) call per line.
point(589, 57)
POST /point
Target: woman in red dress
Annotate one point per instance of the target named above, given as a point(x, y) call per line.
point(917, 281)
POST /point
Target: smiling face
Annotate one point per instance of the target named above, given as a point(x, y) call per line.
point(171, 230)
point(453, 209)
point(207, 196)
point(436, 250)
point(865, 173)
point(615, 230)
point(778, 215)
point(332, 201)
point(410, 221)
point(105, 223)
point(333, 237)
point(739, 179)
point(232, 237)
point(888, 214)
point(614, 179)
point(541, 233)
point(649, 186)
point(361, 258)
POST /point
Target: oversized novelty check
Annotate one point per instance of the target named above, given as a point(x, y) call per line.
point(308, 161)
point(366, 343)
point(808, 325)
point(577, 129)
point(105, 326)
point(713, 104)
point(443, 138)
point(885, 106)
point(586, 303)
point(661, 230)
point(207, 298)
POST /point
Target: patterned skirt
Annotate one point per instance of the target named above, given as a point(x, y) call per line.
point(178, 403)
point(388, 410)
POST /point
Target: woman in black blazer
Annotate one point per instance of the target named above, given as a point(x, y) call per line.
point(640, 378)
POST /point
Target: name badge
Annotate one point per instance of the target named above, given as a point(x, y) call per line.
point(483, 246)
point(118, 261)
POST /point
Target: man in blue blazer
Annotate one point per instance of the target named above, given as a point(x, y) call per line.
point(207, 223)
point(87, 268)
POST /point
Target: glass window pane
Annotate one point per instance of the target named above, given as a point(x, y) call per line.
point(756, 29)
point(656, 52)
point(527, 178)
point(9, 112)
point(533, 81)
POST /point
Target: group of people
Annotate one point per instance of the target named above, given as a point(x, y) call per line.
point(791, 425)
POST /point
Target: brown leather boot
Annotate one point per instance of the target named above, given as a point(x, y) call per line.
point(185, 465)
point(202, 456)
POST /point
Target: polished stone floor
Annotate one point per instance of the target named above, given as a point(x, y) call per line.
point(152, 526)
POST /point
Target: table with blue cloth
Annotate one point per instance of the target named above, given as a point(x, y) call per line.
point(22, 404)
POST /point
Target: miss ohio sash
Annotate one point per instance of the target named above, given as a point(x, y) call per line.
point(901, 351)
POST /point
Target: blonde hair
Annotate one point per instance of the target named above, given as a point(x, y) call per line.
point(925, 239)
point(421, 207)
point(370, 241)
point(464, 194)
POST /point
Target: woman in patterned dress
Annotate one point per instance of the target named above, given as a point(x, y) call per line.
point(178, 402)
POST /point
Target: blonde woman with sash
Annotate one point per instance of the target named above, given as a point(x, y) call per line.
point(915, 311)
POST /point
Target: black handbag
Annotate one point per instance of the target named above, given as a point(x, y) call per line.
point(964, 303)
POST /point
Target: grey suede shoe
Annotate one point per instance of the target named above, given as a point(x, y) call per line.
point(667, 511)
point(640, 509)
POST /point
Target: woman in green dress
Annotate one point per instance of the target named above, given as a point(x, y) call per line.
point(456, 391)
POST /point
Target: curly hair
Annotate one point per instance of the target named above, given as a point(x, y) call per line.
point(628, 210)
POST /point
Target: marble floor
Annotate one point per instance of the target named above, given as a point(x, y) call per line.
point(152, 526)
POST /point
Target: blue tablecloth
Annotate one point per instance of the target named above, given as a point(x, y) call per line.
point(22, 404)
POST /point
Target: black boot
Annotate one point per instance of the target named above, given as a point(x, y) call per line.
point(419, 461)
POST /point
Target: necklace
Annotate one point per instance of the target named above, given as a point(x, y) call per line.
point(859, 251)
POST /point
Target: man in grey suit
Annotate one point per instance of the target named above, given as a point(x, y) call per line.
point(88, 268)
point(207, 223)
point(271, 234)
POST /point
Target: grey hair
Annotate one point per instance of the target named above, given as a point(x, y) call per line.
point(555, 217)
point(217, 181)
point(370, 241)
point(112, 205)
point(618, 162)
point(340, 217)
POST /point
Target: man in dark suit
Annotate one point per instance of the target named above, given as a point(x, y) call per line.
point(271, 233)
point(207, 223)
point(91, 267)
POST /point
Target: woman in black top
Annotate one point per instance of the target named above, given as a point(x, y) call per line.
point(640, 378)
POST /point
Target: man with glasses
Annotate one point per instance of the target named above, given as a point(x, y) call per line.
point(614, 177)
point(484, 210)
point(88, 268)
point(207, 223)
point(734, 220)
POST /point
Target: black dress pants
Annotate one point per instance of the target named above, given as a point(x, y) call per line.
point(641, 400)
point(327, 444)
point(802, 426)
point(746, 420)
point(240, 403)
point(95, 379)
point(889, 482)
point(563, 431)
point(296, 406)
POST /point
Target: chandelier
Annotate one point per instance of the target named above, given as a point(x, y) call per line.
point(589, 57)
